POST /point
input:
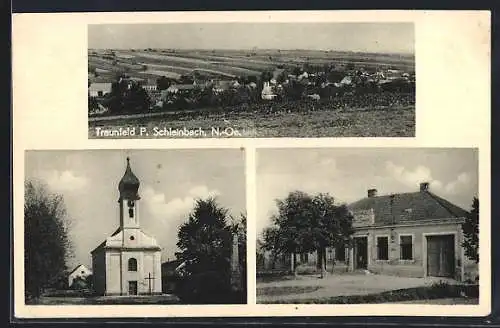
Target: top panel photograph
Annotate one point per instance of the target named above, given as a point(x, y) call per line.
point(251, 80)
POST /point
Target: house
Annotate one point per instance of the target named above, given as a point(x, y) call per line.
point(80, 271)
point(415, 234)
point(224, 85)
point(149, 87)
point(99, 89)
point(267, 92)
point(180, 88)
point(169, 275)
point(347, 80)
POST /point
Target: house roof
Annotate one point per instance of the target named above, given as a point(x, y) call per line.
point(223, 85)
point(182, 86)
point(408, 207)
point(100, 86)
point(76, 268)
point(171, 264)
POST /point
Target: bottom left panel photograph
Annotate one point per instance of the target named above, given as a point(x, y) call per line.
point(134, 227)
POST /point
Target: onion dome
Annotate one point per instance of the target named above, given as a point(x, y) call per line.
point(129, 184)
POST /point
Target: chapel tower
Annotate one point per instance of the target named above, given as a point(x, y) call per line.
point(129, 261)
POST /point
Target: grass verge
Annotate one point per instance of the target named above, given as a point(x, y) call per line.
point(436, 291)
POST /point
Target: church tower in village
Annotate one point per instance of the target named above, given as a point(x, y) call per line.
point(129, 261)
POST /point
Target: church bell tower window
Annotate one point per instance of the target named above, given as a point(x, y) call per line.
point(130, 209)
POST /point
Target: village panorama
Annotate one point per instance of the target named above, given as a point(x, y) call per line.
point(266, 93)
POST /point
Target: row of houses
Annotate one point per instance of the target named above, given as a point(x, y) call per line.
point(414, 234)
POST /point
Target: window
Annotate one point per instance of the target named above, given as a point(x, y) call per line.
point(383, 248)
point(304, 257)
point(406, 247)
point(132, 264)
point(131, 209)
point(340, 253)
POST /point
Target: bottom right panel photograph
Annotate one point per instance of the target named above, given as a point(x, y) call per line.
point(367, 225)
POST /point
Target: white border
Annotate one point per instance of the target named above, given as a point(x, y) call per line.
point(452, 48)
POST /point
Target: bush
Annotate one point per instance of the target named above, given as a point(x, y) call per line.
point(69, 293)
point(202, 288)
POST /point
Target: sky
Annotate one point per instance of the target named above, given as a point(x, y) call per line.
point(347, 174)
point(170, 180)
point(361, 37)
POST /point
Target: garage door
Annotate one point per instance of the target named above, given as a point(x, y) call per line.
point(441, 256)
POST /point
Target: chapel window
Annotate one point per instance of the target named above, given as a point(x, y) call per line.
point(132, 264)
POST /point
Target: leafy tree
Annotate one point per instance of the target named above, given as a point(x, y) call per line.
point(306, 223)
point(470, 230)
point(127, 97)
point(46, 242)
point(205, 242)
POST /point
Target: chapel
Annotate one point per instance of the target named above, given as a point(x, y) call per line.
point(129, 261)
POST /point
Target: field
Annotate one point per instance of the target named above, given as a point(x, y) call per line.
point(390, 122)
point(151, 63)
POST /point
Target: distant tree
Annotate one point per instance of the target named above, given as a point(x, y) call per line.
point(470, 230)
point(281, 77)
point(127, 97)
point(266, 76)
point(335, 76)
point(46, 242)
point(297, 70)
point(294, 90)
point(186, 79)
point(163, 83)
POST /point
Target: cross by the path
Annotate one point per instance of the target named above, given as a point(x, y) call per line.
point(149, 278)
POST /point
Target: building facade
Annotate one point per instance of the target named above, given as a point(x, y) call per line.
point(416, 234)
point(80, 271)
point(99, 89)
point(129, 261)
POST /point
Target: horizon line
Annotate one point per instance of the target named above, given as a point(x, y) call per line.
point(264, 49)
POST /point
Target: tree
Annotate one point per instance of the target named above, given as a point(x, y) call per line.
point(306, 223)
point(470, 230)
point(127, 96)
point(266, 76)
point(205, 242)
point(46, 242)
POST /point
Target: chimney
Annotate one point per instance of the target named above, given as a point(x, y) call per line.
point(372, 193)
point(424, 186)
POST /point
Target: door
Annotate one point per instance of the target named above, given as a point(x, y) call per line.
point(132, 287)
point(441, 256)
point(361, 252)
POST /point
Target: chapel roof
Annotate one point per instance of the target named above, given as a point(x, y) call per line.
point(129, 184)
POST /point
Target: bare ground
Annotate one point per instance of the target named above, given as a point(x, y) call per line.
point(337, 285)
